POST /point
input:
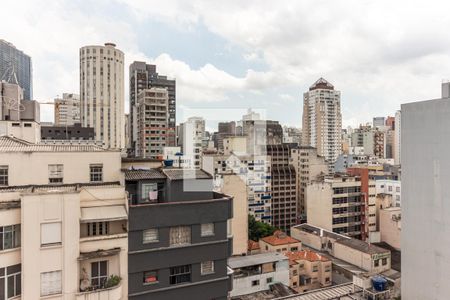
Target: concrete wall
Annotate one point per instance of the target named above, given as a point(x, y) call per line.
point(390, 226)
point(319, 197)
point(425, 161)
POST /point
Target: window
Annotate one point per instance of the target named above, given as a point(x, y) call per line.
point(55, 173)
point(3, 175)
point(96, 173)
point(150, 277)
point(315, 269)
point(207, 229)
point(294, 249)
point(149, 192)
point(150, 236)
point(180, 235)
point(384, 261)
point(207, 267)
point(376, 263)
point(99, 273)
point(180, 274)
point(9, 237)
point(255, 282)
point(98, 228)
point(50, 234)
point(10, 282)
point(50, 283)
point(269, 280)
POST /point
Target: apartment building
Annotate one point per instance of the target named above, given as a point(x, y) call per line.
point(308, 165)
point(308, 270)
point(283, 185)
point(63, 218)
point(255, 273)
point(73, 133)
point(152, 122)
point(390, 187)
point(191, 137)
point(322, 120)
point(13, 107)
point(279, 242)
point(363, 255)
point(254, 172)
point(336, 203)
point(181, 251)
point(67, 110)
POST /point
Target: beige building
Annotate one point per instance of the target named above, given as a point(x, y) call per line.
point(152, 122)
point(322, 120)
point(102, 93)
point(279, 242)
point(391, 226)
point(336, 203)
point(235, 145)
point(308, 270)
point(308, 165)
point(67, 110)
point(63, 214)
point(29, 131)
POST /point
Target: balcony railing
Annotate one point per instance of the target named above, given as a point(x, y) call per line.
point(111, 293)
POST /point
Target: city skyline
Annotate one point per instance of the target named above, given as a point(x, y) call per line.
point(222, 68)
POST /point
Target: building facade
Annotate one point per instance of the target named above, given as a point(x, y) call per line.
point(102, 93)
point(322, 120)
point(390, 187)
point(72, 132)
point(67, 110)
point(16, 67)
point(191, 135)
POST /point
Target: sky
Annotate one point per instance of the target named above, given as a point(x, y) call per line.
point(233, 55)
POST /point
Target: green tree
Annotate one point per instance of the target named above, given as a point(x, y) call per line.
point(257, 229)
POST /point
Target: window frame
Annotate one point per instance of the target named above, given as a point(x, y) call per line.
point(150, 241)
point(49, 244)
point(178, 240)
point(102, 278)
point(207, 232)
point(185, 274)
point(98, 228)
point(55, 173)
point(54, 291)
point(15, 232)
point(144, 282)
point(96, 173)
point(211, 267)
point(4, 178)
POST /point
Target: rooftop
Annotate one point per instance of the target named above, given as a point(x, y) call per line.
point(252, 245)
point(49, 188)
point(143, 174)
point(321, 83)
point(180, 174)
point(279, 238)
point(320, 231)
point(308, 255)
point(362, 246)
point(253, 260)
point(329, 293)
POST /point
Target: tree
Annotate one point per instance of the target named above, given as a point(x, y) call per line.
point(257, 229)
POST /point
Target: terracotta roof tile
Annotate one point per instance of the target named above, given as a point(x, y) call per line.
point(252, 245)
point(305, 255)
point(279, 238)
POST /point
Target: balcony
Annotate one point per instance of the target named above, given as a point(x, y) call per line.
point(112, 293)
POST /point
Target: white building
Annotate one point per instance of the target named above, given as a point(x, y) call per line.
point(255, 273)
point(179, 159)
point(102, 93)
point(192, 134)
point(425, 141)
point(398, 138)
point(390, 187)
point(67, 110)
point(322, 120)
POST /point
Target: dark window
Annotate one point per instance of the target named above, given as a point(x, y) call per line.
point(3, 175)
point(9, 237)
point(99, 273)
point(150, 277)
point(96, 173)
point(180, 274)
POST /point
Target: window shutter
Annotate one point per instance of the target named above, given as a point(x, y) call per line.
point(50, 233)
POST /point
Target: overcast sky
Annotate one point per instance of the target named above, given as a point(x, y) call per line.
point(240, 54)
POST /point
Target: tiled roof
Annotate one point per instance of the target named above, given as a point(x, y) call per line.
point(143, 174)
point(13, 144)
point(362, 246)
point(279, 238)
point(179, 174)
point(252, 245)
point(305, 255)
point(49, 188)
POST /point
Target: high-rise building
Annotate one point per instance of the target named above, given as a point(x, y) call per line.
point(398, 138)
point(15, 67)
point(378, 122)
point(144, 76)
point(425, 236)
point(191, 136)
point(102, 93)
point(322, 120)
point(67, 110)
point(152, 121)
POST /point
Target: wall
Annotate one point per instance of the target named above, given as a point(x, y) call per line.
point(319, 197)
point(390, 229)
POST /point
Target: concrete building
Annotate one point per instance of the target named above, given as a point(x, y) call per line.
point(255, 273)
point(336, 203)
point(16, 67)
point(225, 129)
point(179, 159)
point(283, 183)
point(322, 120)
point(391, 226)
point(308, 165)
point(398, 138)
point(425, 210)
point(391, 187)
point(152, 122)
point(72, 132)
point(29, 131)
point(279, 242)
point(236, 145)
point(102, 93)
point(261, 133)
point(67, 110)
point(63, 214)
point(144, 76)
point(13, 107)
point(363, 255)
point(182, 251)
point(192, 134)
point(308, 270)
point(292, 135)
point(378, 122)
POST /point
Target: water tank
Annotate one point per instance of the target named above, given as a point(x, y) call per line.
point(379, 283)
point(168, 162)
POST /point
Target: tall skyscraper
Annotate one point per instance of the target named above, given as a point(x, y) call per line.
point(425, 236)
point(144, 76)
point(15, 67)
point(191, 136)
point(67, 110)
point(322, 120)
point(102, 93)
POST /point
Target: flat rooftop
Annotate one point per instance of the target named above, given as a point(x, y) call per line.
point(362, 246)
point(330, 293)
point(256, 259)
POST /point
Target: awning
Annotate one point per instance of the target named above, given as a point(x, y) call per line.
point(98, 253)
point(103, 213)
